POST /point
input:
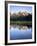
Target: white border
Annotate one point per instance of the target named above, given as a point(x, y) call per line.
point(17, 41)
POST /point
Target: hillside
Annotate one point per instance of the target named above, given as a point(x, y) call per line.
point(24, 16)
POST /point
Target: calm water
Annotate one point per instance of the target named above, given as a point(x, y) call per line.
point(20, 33)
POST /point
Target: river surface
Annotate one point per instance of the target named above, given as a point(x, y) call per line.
point(17, 33)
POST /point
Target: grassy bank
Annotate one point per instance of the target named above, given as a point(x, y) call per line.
point(20, 22)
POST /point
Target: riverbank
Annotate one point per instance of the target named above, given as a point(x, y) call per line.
point(21, 23)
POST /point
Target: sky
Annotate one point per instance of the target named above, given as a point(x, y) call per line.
point(15, 9)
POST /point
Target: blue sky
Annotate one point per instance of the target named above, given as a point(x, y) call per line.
point(15, 9)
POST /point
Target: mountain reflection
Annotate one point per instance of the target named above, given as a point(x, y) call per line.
point(20, 32)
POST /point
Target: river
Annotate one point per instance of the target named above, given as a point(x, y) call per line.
point(20, 32)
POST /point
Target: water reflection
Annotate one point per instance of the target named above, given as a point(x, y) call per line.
point(20, 32)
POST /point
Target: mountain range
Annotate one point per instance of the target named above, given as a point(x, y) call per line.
point(21, 16)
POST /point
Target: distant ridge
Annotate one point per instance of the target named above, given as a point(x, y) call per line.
point(20, 14)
